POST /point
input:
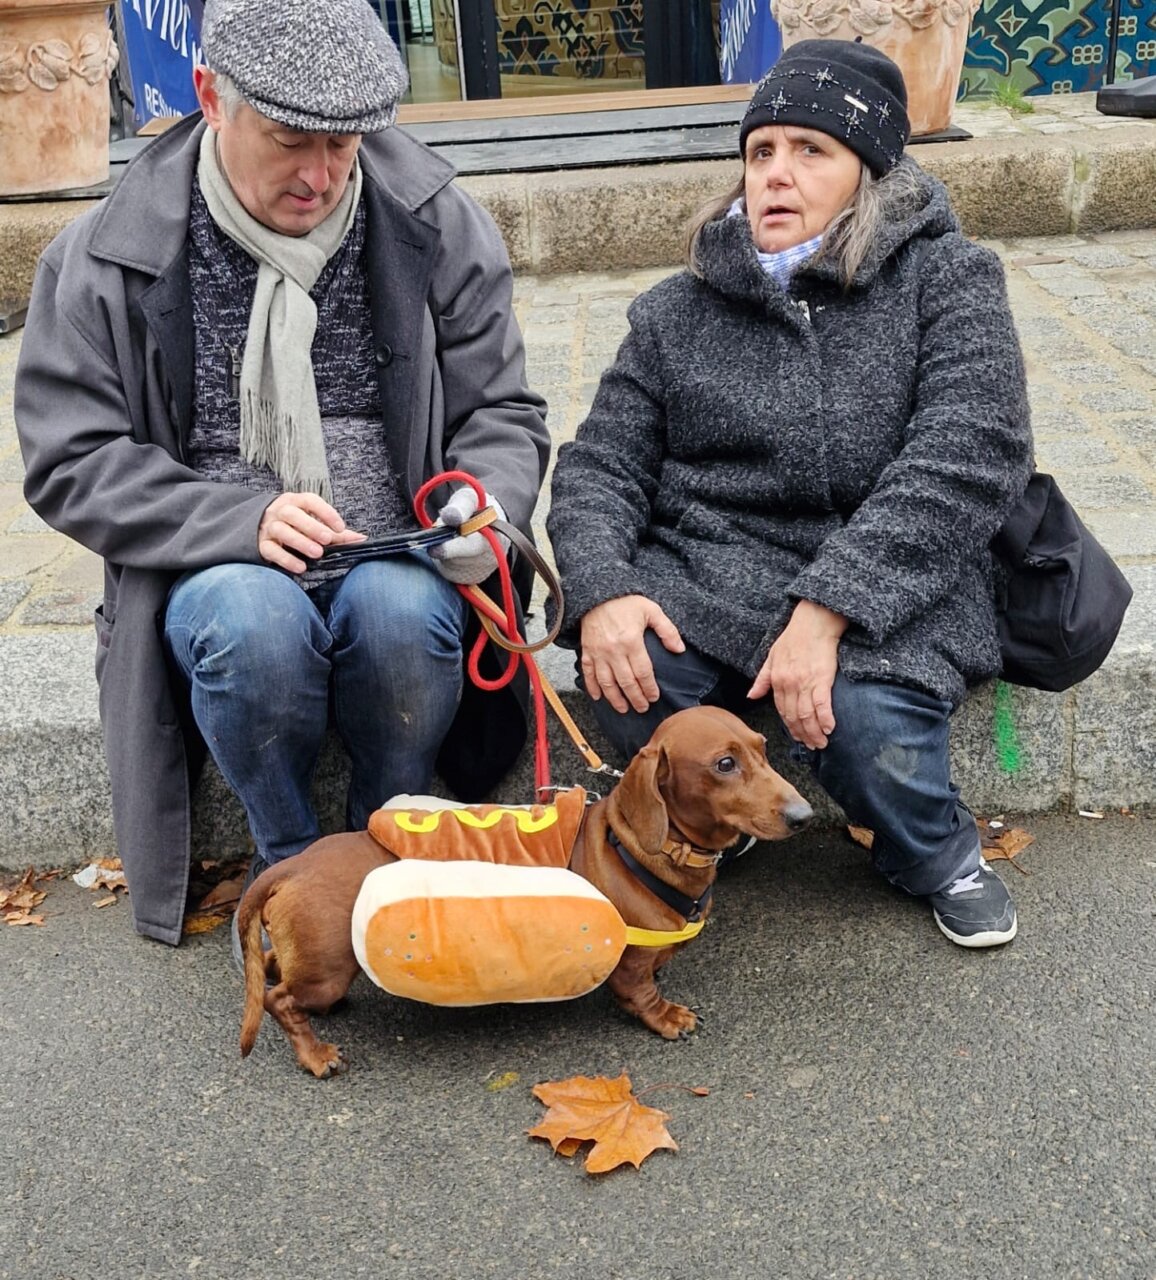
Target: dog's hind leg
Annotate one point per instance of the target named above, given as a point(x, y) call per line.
point(314, 1055)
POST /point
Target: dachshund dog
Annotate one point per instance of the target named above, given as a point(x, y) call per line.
point(700, 783)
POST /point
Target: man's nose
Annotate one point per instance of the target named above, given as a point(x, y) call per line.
point(314, 172)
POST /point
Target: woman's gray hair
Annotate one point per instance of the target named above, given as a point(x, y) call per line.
point(228, 93)
point(851, 233)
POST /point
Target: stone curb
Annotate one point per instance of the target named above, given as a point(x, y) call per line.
point(1026, 183)
point(1092, 748)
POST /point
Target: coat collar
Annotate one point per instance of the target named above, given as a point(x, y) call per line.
point(730, 264)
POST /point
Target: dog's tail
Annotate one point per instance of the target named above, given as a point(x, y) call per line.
point(249, 931)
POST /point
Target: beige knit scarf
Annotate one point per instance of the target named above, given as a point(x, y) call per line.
point(280, 417)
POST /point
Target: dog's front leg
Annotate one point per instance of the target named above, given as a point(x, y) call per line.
point(313, 1054)
point(634, 987)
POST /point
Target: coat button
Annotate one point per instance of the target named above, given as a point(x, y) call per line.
point(384, 354)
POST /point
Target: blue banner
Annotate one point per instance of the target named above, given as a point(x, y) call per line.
point(749, 40)
point(162, 45)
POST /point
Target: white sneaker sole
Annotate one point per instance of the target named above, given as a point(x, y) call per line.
point(991, 938)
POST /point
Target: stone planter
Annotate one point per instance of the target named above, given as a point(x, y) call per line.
point(55, 60)
point(927, 38)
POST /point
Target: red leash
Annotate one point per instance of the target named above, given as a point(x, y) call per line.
point(502, 620)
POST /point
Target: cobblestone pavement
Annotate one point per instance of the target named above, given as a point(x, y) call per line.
point(1086, 312)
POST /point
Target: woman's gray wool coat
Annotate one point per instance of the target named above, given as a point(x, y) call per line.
point(751, 448)
point(103, 396)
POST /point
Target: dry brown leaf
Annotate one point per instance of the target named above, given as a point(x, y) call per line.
point(605, 1112)
point(19, 897)
point(110, 901)
point(1004, 842)
point(205, 923)
point(102, 873)
point(861, 835)
point(22, 917)
point(225, 894)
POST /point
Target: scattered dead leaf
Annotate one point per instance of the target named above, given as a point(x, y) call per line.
point(605, 1112)
point(225, 894)
point(861, 835)
point(194, 924)
point(998, 841)
point(22, 917)
point(110, 901)
point(503, 1081)
point(215, 886)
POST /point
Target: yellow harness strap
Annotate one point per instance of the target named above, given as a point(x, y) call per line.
point(662, 937)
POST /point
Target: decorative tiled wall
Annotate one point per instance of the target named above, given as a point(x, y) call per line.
point(1041, 46)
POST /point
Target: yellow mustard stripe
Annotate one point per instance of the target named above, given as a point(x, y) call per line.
point(526, 822)
point(662, 937)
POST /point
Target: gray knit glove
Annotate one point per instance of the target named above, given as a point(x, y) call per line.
point(467, 560)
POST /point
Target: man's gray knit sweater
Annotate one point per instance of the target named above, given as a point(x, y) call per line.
point(750, 448)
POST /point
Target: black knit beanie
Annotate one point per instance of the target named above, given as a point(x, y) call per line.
point(843, 88)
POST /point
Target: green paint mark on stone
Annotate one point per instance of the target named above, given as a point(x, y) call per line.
point(1007, 747)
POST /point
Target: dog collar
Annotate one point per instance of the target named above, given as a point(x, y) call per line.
point(691, 909)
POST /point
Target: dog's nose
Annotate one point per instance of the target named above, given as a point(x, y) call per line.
point(797, 815)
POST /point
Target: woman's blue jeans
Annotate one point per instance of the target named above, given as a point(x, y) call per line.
point(378, 650)
point(886, 763)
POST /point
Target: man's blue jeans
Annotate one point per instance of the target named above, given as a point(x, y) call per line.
point(380, 649)
point(886, 764)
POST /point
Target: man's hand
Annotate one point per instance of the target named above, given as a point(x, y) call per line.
point(615, 664)
point(297, 525)
point(801, 668)
point(469, 560)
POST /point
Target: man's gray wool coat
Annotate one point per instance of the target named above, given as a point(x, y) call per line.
point(750, 448)
point(103, 396)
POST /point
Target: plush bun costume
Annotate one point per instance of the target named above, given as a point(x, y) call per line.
point(480, 908)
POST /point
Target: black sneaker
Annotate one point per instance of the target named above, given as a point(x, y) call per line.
point(256, 866)
point(976, 910)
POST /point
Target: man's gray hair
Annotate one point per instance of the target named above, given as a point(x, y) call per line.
point(231, 97)
point(851, 233)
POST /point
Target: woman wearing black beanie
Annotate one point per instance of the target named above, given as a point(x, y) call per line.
point(789, 477)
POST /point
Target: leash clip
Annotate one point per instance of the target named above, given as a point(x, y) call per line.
point(605, 769)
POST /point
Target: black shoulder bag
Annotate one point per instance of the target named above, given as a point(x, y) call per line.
point(1065, 597)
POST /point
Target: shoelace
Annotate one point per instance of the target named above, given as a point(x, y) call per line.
point(964, 883)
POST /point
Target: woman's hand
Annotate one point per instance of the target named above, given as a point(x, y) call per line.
point(801, 668)
point(300, 523)
point(615, 664)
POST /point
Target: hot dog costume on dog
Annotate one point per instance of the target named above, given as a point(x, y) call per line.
point(481, 908)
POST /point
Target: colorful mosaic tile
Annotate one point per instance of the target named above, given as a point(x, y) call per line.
point(1041, 46)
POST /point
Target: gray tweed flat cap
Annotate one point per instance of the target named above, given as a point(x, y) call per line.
point(324, 66)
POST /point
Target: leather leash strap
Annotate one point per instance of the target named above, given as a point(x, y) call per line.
point(492, 619)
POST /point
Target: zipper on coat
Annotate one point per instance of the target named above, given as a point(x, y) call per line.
point(234, 372)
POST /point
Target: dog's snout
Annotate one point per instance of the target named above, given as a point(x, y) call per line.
point(797, 815)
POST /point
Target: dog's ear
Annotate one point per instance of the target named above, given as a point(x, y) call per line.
point(638, 801)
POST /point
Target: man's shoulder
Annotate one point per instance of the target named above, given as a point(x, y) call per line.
point(405, 169)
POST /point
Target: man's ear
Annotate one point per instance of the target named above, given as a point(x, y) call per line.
point(205, 87)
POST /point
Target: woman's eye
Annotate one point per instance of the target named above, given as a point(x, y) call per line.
point(728, 764)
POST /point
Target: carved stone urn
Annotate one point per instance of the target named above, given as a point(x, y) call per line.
point(927, 38)
point(56, 57)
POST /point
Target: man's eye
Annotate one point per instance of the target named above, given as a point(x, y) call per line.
point(728, 764)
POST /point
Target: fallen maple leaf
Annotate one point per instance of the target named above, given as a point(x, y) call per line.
point(861, 835)
point(605, 1112)
point(998, 841)
point(18, 898)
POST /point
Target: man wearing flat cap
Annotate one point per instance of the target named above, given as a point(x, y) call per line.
point(280, 324)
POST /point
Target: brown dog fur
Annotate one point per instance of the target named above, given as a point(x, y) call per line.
point(679, 787)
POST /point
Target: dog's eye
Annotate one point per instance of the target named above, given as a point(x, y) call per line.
point(728, 764)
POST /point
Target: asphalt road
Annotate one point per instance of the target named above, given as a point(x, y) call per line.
point(881, 1103)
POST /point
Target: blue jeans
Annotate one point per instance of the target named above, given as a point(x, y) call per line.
point(266, 664)
point(886, 763)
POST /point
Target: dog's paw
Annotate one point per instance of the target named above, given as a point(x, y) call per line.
point(325, 1060)
point(673, 1021)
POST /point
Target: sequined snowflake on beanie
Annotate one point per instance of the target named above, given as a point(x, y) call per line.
point(325, 67)
point(849, 90)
